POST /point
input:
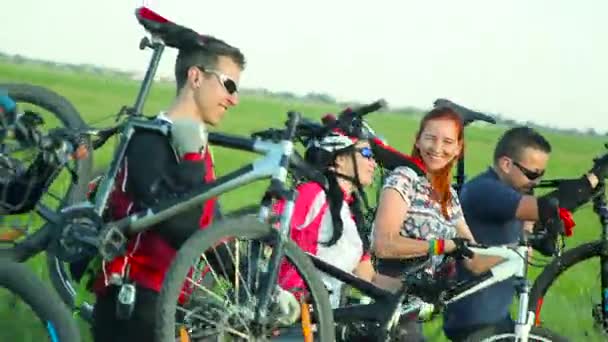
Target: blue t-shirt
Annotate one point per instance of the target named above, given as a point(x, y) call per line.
point(489, 207)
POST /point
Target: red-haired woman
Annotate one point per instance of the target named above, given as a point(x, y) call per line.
point(418, 211)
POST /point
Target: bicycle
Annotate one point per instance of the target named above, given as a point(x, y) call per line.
point(31, 99)
point(78, 231)
point(227, 288)
point(48, 307)
point(571, 258)
point(24, 110)
point(55, 148)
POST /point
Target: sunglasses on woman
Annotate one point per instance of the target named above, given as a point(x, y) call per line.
point(366, 152)
point(228, 83)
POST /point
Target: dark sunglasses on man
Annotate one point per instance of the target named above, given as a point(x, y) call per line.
point(228, 83)
point(531, 175)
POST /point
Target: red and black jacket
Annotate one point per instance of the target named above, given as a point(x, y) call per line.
point(151, 171)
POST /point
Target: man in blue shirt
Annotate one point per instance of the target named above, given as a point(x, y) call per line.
point(496, 203)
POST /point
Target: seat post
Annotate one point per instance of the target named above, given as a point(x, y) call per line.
point(158, 48)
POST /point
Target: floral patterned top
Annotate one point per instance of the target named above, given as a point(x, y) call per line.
point(424, 219)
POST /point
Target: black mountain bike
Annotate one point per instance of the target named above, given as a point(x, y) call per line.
point(587, 306)
point(236, 259)
point(27, 111)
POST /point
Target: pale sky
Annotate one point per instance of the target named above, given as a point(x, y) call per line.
point(544, 61)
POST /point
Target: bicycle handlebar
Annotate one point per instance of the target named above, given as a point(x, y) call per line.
point(306, 129)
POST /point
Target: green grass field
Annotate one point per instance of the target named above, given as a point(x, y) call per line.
point(99, 98)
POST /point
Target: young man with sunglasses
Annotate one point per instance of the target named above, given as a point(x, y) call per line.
point(157, 166)
point(497, 204)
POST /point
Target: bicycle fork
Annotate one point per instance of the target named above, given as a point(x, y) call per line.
point(525, 319)
point(267, 288)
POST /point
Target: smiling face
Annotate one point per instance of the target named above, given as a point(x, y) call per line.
point(439, 143)
point(216, 90)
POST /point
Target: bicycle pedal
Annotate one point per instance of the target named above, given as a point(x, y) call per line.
point(11, 234)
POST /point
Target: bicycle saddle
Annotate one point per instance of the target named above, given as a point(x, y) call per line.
point(170, 33)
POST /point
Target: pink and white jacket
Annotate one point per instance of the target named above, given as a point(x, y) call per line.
point(311, 228)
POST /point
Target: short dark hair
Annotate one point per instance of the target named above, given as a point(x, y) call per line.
point(515, 140)
point(205, 56)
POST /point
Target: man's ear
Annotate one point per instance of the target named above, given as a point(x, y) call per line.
point(505, 164)
point(194, 77)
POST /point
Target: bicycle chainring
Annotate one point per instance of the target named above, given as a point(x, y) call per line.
point(76, 235)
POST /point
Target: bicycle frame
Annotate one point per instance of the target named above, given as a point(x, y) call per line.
point(387, 305)
point(273, 166)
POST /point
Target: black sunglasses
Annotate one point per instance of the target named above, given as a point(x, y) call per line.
point(531, 175)
point(228, 83)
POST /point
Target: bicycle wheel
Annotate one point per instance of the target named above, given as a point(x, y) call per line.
point(57, 111)
point(54, 316)
point(536, 334)
point(65, 285)
point(574, 277)
point(221, 295)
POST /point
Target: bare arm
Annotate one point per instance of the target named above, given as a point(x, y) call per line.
point(387, 240)
point(365, 270)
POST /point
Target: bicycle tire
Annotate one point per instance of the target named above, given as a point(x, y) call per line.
point(19, 280)
point(63, 110)
point(63, 284)
point(67, 114)
point(492, 334)
point(244, 227)
point(557, 267)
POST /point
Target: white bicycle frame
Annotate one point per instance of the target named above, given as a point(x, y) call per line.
point(514, 265)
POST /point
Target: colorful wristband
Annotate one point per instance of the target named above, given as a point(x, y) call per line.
point(436, 247)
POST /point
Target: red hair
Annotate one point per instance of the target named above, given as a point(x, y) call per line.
point(441, 180)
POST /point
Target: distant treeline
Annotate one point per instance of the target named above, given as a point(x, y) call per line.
point(310, 97)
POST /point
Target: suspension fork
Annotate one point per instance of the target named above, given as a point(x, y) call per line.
point(278, 252)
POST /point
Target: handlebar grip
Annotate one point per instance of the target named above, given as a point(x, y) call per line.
point(372, 107)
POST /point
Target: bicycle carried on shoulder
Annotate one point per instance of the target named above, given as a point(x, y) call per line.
point(222, 297)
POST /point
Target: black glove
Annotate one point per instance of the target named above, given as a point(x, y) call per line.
point(462, 250)
point(545, 243)
point(600, 167)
